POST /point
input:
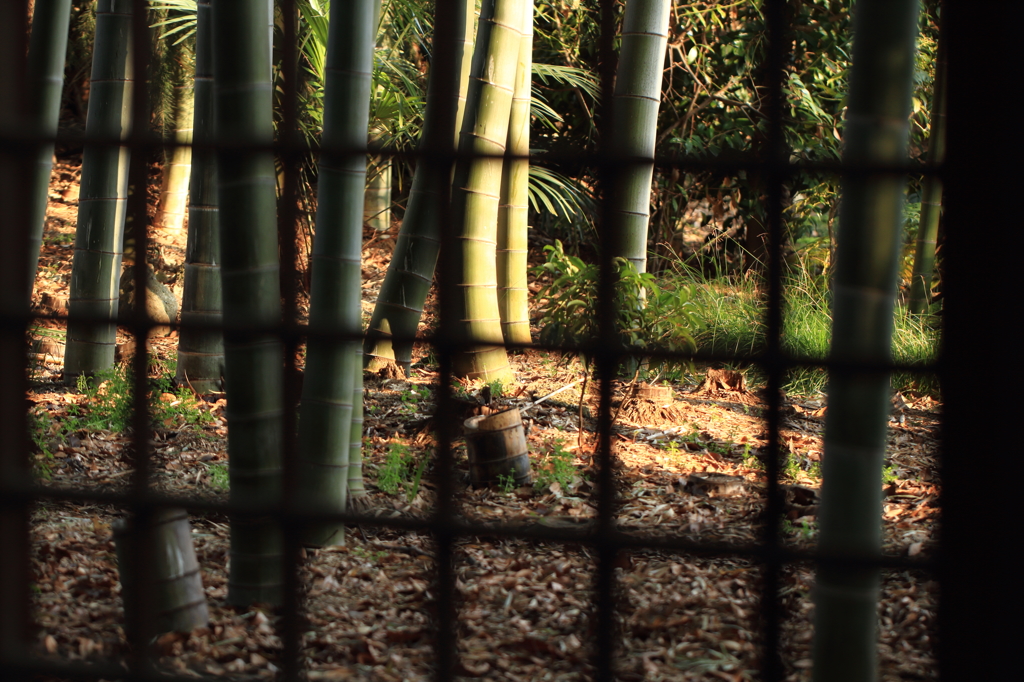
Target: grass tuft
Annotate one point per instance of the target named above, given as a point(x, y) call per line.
point(733, 310)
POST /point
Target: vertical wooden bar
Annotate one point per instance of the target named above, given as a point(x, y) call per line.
point(981, 588)
point(14, 311)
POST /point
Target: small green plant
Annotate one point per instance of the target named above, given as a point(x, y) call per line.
point(389, 478)
point(555, 466)
point(411, 396)
point(181, 404)
point(719, 448)
point(791, 467)
point(497, 388)
point(401, 470)
point(804, 527)
point(649, 316)
point(808, 527)
point(752, 459)
point(219, 478)
point(890, 474)
point(414, 482)
point(507, 483)
point(370, 556)
point(51, 271)
point(108, 403)
point(40, 425)
point(58, 238)
point(108, 399)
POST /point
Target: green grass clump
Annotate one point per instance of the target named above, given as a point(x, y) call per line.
point(507, 483)
point(556, 465)
point(402, 470)
point(219, 477)
point(41, 427)
point(733, 310)
point(109, 405)
point(650, 313)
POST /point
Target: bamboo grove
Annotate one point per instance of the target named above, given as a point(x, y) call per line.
point(222, 150)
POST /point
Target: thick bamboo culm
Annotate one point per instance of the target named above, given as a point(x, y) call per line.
point(250, 281)
point(47, 50)
point(171, 211)
point(329, 398)
point(377, 201)
point(476, 187)
point(173, 581)
point(200, 343)
point(513, 210)
point(396, 315)
point(635, 109)
point(99, 237)
point(875, 135)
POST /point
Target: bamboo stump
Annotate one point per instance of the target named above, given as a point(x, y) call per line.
point(496, 444)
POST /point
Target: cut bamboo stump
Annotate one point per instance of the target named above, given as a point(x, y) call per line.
point(172, 578)
point(496, 444)
point(656, 394)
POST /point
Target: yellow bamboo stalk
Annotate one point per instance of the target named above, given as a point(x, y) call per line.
point(513, 295)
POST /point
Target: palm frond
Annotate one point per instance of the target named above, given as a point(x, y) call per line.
point(569, 76)
point(396, 107)
point(186, 17)
point(543, 112)
point(314, 43)
point(558, 194)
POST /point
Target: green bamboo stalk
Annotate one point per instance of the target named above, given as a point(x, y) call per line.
point(931, 194)
point(396, 315)
point(377, 209)
point(270, 39)
point(253, 355)
point(201, 348)
point(867, 259)
point(475, 191)
point(328, 395)
point(46, 53)
point(170, 213)
point(99, 237)
point(169, 576)
point(357, 494)
point(635, 103)
point(513, 295)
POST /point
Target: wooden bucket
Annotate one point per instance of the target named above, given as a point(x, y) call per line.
point(496, 444)
point(173, 579)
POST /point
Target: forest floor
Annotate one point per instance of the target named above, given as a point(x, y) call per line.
point(688, 466)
